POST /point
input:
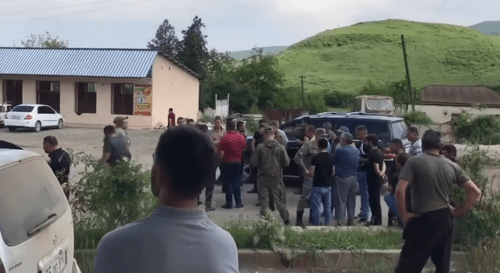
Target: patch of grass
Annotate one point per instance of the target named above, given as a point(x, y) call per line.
point(484, 257)
point(344, 59)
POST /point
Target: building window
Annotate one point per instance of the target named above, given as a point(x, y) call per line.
point(85, 97)
point(48, 93)
point(123, 99)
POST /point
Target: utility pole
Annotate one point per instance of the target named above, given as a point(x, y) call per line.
point(407, 73)
point(303, 97)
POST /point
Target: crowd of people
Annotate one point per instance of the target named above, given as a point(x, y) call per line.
point(334, 164)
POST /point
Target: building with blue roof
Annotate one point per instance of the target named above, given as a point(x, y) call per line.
point(91, 86)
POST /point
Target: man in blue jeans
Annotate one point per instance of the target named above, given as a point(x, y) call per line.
point(361, 134)
point(321, 170)
point(346, 162)
point(231, 149)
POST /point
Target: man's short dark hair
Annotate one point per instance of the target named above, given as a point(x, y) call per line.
point(307, 120)
point(230, 126)
point(52, 140)
point(361, 128)
point(431, 140)
point(348, 137)
point(311, 128)
point(239, 124)
point(451, 149)
point(180, 118)
point(108, 130)
point(189, 159)
point(218, 118)
point(262, 121)
point(202, 127)
point(327, 125)
point(373, 138)
point(397, 142)
point(171, 109)
point(402, 158)
point(413, 130)
point(190, 120)
point(323, 144)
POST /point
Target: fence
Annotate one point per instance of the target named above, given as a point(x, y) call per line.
point(222, 107)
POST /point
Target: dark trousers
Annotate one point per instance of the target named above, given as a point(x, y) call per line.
point(209, 192)
point(430, 234)
point(374, 200)
point(231, 176)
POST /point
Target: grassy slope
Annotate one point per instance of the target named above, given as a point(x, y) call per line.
point(345, 59)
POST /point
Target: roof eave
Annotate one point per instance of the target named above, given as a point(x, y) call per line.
point(179, 64)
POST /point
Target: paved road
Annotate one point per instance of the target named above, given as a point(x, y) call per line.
point(143, 144)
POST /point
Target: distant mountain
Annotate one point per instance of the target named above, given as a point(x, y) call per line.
point(488, 27)
point(267, 50)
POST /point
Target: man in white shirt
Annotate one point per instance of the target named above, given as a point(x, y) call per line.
point(416, 142)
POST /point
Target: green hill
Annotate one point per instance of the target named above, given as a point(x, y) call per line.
point(266, 50)
point(345, 59)
point(488, 27)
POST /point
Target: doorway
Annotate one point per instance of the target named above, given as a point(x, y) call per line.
point(13, 92)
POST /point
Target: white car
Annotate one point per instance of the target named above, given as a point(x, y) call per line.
point(4, 109)
point(36, 225)
point(34, 116)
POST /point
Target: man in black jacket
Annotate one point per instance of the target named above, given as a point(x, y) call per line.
point(60, 161)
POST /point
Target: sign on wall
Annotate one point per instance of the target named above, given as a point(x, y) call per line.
point(143, 100)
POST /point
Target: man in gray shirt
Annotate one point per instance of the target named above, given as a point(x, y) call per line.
point(429, 229)
point(177, 237)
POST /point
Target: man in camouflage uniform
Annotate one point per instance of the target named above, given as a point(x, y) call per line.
point(270, 158)
point(303, 159)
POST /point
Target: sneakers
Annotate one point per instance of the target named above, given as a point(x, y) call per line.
point(240, 206)
point(227, 206)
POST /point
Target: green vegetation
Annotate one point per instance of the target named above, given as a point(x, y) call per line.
point(417, 117)
point(483, 129)
point(345, 59)
point(108, 198)
point(268, 233)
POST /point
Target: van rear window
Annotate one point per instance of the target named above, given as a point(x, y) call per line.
point(44, 194)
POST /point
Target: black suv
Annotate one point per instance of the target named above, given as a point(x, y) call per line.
point(386, 127)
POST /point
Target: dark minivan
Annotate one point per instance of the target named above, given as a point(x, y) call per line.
point(386, 127)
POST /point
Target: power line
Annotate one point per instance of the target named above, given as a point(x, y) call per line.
point(61, 7)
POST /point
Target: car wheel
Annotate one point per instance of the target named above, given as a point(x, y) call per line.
point(12, 128)
point(38, 126)
point(60, 124)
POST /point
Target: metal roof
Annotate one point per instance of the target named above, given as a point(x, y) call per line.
point(460, 96)
point(82, 62)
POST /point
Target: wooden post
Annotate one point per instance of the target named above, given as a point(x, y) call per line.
point(407, 73)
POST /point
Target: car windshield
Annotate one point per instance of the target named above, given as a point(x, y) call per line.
point(23, 109)
point(377, 104)
point(399, 129)
point(40, 187)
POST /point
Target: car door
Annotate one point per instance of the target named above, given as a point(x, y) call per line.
point(45, 115)
point(37, 235)
point(53, 116)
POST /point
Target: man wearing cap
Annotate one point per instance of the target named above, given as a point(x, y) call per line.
point(270, 158)
point(303, 159)
point(121, 124)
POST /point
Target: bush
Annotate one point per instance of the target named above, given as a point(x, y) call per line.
point(417, 117)
point(107, 198)
point(483, 129)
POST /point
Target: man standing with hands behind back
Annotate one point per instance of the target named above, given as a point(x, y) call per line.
point(429, 229)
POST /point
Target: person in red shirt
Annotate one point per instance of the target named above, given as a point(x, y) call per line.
point(231, 149)
point(171, 118)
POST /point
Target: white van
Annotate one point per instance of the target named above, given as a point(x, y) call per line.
point(36, 225)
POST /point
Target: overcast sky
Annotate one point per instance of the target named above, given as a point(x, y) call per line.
point(231, 25)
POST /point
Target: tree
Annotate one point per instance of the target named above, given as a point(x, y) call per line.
point(193, 51)
point(44, 40)
point(165, 40)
